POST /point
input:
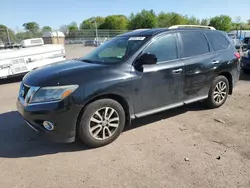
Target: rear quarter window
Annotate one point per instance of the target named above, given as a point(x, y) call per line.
point(218, 41)
point(194, 44)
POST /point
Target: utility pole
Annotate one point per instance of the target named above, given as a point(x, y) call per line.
point(57, 37)
point(8, 36)
point(240, 31)
point(96, 32)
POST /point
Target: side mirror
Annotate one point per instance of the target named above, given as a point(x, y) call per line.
point(145, 59)
point(148, 59)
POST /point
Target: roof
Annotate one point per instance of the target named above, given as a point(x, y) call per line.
point(155, 31)
point(145, 32)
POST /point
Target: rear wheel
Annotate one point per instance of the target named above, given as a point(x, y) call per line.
point(101, 123)
point(218, 92)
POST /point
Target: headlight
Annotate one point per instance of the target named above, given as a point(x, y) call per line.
point(46, 94)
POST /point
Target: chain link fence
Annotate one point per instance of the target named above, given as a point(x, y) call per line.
point(10, 37)
point(100, 35)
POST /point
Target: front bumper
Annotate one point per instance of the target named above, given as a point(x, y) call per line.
point(62, 114)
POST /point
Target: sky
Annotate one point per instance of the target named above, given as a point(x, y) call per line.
point(56, 13)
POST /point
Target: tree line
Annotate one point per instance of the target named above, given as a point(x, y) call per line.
point(143, 19)
point(149, 19)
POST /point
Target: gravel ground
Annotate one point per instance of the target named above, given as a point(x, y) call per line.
point(152, 153)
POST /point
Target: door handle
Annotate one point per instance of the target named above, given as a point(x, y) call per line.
point(176, 71)
point(215, 62)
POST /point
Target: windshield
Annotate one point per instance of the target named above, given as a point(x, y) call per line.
point(115, 50)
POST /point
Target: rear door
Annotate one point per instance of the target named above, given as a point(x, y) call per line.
point(199, 61)
point(227, 59)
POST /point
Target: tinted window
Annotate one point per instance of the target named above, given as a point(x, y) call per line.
point(194, 44)
point(217, 40)
point(164, 48)
point(115, 50)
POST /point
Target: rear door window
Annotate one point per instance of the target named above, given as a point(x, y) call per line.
point(218, 41)
point(194, 44)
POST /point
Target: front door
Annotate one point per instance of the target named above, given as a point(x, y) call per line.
point(160, 86)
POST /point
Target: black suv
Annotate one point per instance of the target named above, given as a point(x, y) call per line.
point(133, 75)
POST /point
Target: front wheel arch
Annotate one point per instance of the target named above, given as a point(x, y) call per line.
point(115, 97)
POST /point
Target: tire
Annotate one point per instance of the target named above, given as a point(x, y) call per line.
point(212, 101)
point(95, 121)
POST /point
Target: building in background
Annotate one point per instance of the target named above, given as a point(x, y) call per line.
point(55, 37)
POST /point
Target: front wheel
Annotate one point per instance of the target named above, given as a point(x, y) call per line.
point(218, 92)
point(101, 123)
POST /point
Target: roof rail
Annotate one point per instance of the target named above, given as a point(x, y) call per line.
point(140, 29)
point(191, 26)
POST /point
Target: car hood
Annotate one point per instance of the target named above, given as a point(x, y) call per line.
point(60, 73)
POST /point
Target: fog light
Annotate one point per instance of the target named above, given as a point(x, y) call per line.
point(48, 125)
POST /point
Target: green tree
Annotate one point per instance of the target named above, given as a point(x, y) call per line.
point(143, 19)
point(164, 19)
point(74, 24)
point(177, 19)
point(222, 22)
point(46, 28)
point(115, 22)
point(245, 26)
point(24, 35)
point(72, 30)
point(193, 21)
point(64, 29)
point(205, 22)
point(89, 23)
point(31, 26)
point(4, 35)
point(237, 23)
point(172, 18)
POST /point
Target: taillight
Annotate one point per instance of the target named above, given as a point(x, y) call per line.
point(237, 54)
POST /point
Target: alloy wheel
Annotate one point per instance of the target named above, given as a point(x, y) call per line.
point(104, 123)
point(220, 92)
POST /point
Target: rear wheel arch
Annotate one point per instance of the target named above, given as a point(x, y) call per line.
point(230, 80)
point(218, 92)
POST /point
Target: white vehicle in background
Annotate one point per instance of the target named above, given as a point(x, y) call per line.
point(1, 45)
point(33, 54)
